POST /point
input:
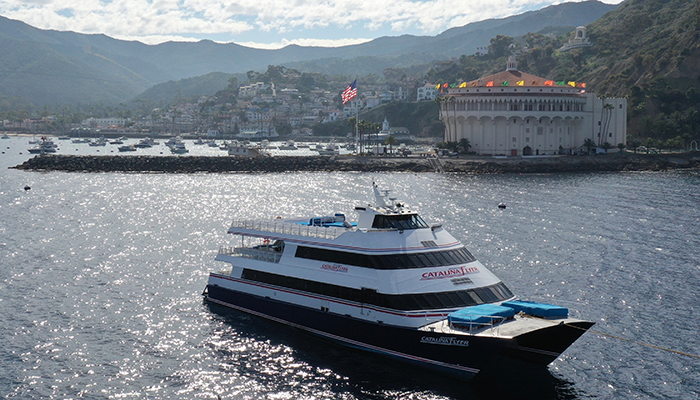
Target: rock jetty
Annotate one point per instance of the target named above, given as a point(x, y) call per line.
point(475, 165)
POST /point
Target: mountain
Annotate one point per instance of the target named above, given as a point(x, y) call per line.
point(51, 67)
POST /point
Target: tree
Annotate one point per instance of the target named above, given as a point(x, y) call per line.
point(621, 146)
point(391, 141)
point(589, 144)
point(607, 146)
point(464, 144)
point(441, 102)
point(499, 46)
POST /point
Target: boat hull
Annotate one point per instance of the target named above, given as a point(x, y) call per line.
point(462, 356)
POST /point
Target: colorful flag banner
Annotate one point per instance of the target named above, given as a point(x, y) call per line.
point(561, 83)
point(437, 87)
point(489, 83)
point(549, 83)
point(350, 92)
point(463, 84)
point(572, 83)
point(505, 83)
point(520, 83)
point(453, 85)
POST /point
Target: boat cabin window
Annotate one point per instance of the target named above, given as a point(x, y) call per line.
point(400, 222)
point(405, 302)
point(388, 261)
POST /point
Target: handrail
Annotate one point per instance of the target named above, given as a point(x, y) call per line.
point(288, 228)
point(248, 252)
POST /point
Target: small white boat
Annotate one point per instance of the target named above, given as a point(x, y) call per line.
point(44, 146)
point(178, 148)
point(144, 143)
point(288, 146)
point(329, 150)
point(4, 136)
point(242, 150)
point(98, 142)
point(129, 147)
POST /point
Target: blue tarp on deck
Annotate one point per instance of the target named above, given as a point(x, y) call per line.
point(537, 309)
point(483, 314)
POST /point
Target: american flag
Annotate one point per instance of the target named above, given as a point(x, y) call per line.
point(350, 92)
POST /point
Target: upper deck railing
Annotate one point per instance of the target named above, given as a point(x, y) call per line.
point(289, 228)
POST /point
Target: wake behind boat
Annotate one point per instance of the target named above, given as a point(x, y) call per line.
point(389, 283)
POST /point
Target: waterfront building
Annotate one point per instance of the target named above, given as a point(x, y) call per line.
point(515, 113)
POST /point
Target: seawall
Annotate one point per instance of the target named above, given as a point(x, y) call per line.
point(477, 165)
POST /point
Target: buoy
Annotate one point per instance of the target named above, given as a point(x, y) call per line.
point(501, 205)
point(27, 187)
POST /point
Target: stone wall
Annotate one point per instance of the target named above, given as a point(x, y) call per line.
point(192, 164)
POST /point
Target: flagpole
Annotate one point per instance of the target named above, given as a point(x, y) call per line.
point(357, 119)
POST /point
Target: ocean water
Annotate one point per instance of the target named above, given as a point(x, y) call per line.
point(101, 278)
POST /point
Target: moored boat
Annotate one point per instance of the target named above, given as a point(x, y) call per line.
point(46, 145)
point(389, 283)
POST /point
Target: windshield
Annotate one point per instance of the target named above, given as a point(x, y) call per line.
point(400, 222)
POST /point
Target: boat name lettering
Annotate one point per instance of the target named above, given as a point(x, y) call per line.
point(334, 267)
point(445, 341)
point(449, 273)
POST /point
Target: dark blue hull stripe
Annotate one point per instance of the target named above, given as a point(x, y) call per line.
point(432, 349)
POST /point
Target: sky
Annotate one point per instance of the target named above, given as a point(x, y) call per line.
point(268, 24)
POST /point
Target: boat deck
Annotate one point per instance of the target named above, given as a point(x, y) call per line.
point(508, 329)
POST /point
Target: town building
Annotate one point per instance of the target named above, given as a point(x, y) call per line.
point(515, 113)
point(426, 92)
point(579, 40)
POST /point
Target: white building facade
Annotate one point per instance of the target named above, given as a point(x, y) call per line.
point(426, 92)
point(514, 113)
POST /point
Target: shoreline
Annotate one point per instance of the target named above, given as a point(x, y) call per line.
point(469, 165)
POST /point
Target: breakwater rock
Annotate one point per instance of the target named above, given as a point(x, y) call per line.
point(479, 165)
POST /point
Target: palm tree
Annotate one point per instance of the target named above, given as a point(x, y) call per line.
point(621, 146)
point(464, 144)
point(442, 102)
point(391, 141)
point(589, 144)
point(607, 146)
point(607, 116)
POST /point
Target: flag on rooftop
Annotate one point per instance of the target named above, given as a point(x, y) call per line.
point(350, 92)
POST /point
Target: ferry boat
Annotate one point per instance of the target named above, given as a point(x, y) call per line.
point(389, 283)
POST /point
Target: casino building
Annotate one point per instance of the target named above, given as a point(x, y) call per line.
point(514, 113)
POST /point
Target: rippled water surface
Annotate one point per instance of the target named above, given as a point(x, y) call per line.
point(101, 278)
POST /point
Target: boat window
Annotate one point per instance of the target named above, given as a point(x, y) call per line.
point(424, 260)
point(404, 302)
point(433, 259)
point(400, 222)
point(388, 261)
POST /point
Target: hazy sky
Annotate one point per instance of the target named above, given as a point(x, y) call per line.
point(261, 23)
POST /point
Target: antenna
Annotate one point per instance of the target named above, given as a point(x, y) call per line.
point(379, 197)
